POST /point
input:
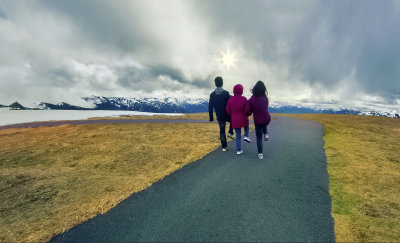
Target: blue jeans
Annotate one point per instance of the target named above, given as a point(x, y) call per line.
point(238, 132)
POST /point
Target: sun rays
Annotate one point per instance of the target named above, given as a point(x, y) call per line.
point(228, 59)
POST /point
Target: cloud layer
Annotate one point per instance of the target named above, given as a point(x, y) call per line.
point(334, 52)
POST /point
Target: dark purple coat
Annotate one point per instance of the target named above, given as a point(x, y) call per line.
point(236, 108)
point(258, 105)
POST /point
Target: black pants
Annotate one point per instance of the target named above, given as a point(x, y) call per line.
point(261, 130)
point(222, 134)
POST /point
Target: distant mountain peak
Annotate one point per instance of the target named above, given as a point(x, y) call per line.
point(16, 106)
point(60, 106)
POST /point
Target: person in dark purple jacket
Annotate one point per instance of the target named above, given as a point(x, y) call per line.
point(258, 105)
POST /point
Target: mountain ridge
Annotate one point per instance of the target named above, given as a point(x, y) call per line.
point(189, 105)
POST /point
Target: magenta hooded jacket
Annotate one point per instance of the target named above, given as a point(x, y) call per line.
point(236, 108)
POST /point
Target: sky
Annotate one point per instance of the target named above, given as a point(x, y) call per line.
point(340, 53)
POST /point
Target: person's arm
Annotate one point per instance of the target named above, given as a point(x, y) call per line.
point(210, 108)
point(248, 108)
point(228, 108)
point(227, 97)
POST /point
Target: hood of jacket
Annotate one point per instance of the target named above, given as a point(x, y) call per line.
point(238, 90)
point(219, 90)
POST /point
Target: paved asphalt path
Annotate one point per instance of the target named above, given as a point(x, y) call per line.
point(231, 198)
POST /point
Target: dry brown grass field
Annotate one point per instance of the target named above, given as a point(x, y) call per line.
point(200, 116)
point(196, 116)
point(52, 178)
point(363, 156)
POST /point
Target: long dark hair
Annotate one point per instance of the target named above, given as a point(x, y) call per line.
point(259, 89)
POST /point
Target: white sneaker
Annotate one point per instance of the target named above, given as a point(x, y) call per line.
point(223, 149)
point(266, 137)
point(239, 152)
point(260, 156)
point(230, 135)
point(247, 139)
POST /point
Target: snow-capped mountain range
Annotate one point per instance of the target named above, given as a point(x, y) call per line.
point(165, 105)
point(193, 105)
point(159, 105)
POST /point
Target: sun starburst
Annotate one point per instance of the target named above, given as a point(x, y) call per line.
point(228, 59)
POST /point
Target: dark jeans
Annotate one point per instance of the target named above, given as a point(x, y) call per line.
point(222, 134)
point(260, 131)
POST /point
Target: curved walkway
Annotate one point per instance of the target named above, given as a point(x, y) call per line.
point(225, 197)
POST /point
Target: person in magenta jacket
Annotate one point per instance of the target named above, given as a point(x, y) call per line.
point(236, 110)
point(258, 105)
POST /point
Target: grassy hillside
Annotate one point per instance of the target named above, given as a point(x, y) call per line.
point(363, 156)
point(52, 178)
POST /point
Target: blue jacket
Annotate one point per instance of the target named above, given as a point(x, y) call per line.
point(218, 103)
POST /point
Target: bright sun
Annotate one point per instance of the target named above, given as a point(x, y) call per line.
point(228, 59)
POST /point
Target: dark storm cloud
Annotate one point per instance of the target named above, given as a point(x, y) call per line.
point(2, 14)
point(128, 77)
point(353, 37)
point(324, 41)
point(125, 29)
point(307, 51)
point(106, 23)
point(131, 77)
point(177, 74)
point(61, 77)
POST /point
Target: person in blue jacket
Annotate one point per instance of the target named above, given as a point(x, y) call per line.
point(218, 100)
